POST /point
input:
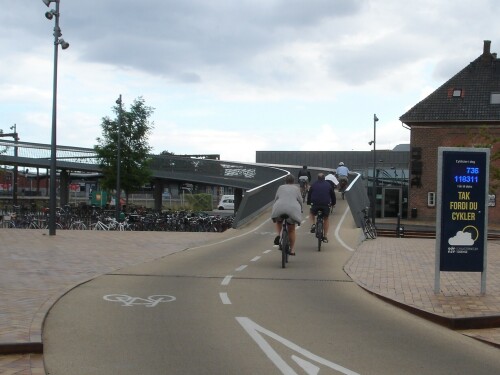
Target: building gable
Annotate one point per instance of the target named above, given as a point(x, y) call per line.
point(466, 97)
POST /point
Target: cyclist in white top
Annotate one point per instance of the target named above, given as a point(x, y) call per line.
point(342, 172)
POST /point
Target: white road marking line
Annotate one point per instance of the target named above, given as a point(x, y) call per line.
point(255, 259)
point(268, 251)
point(226, 280)
point(337, 230)
point(308, 367)
point(241, 268)
point(224, 298)
point(256, 332)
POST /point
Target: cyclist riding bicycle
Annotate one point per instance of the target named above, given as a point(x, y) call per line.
point(321, 196)
point(330, 177)
point(343, 174)
point(304, 178)
point(288, 201)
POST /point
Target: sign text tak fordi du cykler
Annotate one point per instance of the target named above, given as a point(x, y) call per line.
point(462, 211)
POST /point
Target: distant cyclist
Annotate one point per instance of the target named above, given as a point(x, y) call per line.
point(330, 177)
point(342, 176)
point(304, 178)
point(321, 196)
point(287, 202)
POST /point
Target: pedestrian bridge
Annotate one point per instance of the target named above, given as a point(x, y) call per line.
point(255, 184)
point(243, 177)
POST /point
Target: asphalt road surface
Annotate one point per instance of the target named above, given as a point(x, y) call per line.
point(229, 308)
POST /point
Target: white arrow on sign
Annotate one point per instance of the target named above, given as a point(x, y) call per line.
point(256, 332)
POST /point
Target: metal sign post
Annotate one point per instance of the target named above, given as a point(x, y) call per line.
point(462, 212)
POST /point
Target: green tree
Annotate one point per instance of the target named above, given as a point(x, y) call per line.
point(134, 148)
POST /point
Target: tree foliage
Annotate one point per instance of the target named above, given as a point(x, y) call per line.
point(134, 148)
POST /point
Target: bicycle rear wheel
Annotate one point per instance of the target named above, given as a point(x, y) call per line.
point(78, 225)
point(285, 248)
point(319, 233)
point(371, 230)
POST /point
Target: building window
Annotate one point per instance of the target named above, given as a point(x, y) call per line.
point(495, 98)
point(455, 92)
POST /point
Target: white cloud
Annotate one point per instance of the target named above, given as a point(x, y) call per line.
point(237, 77)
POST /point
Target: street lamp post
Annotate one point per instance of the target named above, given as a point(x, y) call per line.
point(374, 189)
point(118, 159)
point(14, 183)
point(54, 13)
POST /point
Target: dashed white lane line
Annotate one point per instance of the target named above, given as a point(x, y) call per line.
point(241, 268)
point(255, 259)
point(268, 251)
point(224, 298)
point(226, 280)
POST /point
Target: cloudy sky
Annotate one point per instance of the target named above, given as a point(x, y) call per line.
point(233, 77)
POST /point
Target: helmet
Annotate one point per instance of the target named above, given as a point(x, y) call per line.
point(341, 163)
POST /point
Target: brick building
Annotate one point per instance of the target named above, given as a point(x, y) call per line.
point(458, 114)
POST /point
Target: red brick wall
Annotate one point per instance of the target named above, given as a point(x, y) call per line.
point(429, 138)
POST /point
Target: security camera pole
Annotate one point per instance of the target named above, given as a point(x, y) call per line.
point(53, 153)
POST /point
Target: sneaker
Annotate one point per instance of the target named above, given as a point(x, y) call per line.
point(325, 240)
point(313, 228)
point(277, 240)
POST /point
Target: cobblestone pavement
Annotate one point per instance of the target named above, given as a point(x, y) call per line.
point(402, 271)
point(36, 269)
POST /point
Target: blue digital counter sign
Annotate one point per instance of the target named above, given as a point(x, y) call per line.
point(463, 209)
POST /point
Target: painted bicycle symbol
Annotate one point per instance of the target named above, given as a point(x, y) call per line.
point(128, 301)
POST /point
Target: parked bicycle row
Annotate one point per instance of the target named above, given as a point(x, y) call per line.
point(99, 219)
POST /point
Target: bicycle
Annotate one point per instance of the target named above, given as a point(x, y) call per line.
point(367, 225)
point(320, 232)
point(342, 186)
point(304, 187)
point(284, 241)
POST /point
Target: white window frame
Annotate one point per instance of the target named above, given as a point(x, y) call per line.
point(431, 199)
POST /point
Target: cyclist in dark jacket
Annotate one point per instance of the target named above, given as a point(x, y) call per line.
point(304, 178)
point(304, 172)
point(321, 196)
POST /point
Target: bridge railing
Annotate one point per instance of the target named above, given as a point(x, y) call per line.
point(257, 200)
point(217, 172)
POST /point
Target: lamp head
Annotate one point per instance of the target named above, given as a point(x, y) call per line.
point(371, 142)
point(375, 118)
point(49, 15)
point(63, 43)
point(47, 2)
